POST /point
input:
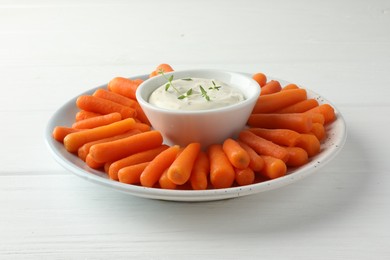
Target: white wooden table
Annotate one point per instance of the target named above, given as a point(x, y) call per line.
point(50, 51)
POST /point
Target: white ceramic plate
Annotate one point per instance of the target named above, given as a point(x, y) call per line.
point(64, 116)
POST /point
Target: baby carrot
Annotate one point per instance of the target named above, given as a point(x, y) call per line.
point(256, 162)
point(158, 165)
point(133, 159)
point(74, 141)
point(142, 127)
point(237, 156)
point(200, 172)
point(316, 117)
point(97, 121)
point(104, 106)
point(141, 114)
point(326, 110)
point(221, 170)
point(60, 132)
point(263, 146)
point(82, 114)
point(123, 86)
point(290, 86)
point(299, 107)
point(118, 149)
point(272, 102)
point(164, 68)
point(319, 131)
point(115, 97)
point(180, 170)
point(260, 78)
point(92, 163)
point(299, 122)
point(165, 182)
point(273, 167)
point(131, 174)
point(310, 144)
point(271, 87)
point(297, 156)
point(83, 151)
point(244, 176)
point(285, 137)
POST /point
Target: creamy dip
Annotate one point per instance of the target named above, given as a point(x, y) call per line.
point(195, 94)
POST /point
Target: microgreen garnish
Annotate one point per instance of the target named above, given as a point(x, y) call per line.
point(215, 86)
point(187, 94)
point(204, 93)
point(187, 79)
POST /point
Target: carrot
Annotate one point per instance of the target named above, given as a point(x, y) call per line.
point(326, 110)
point(92, 163)
point(310, 144)
point(272, 102)
point(285, 137)
point(290, 86)
point(153, 74)
point(256, 162)
point(297, 156)
point(244, 176)
point(260, 78)
point(97, 121)
point(137, 158)
point(131, 174)
point(123, 86)
point(273, 167)
point(299, 122)
point(237, 156)
point(271, 87)
point(118, 149)
point(104, 106)
point(84, 150)
point(164, 68)
point(142, 127)
point(222, 173)
point(316, 117)
point(141, 114)
point(165, 182)
point(74, 141)
point(299, 107)
point(82, 114)
point(319, 131)
point(200, 172)
point(60, 132)
point(158, 165)
point(107, 166)
point(115, 97)
point(263, 146)
point(180, 170)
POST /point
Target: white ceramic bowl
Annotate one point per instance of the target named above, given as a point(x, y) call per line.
point(205, 126)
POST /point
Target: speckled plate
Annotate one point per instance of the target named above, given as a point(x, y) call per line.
point(336, 136)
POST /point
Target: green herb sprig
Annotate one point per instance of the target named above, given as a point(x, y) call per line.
point(169, 84)
point(214, 86)
point(204, 93)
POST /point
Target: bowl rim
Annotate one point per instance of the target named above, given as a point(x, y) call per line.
point(247, 101)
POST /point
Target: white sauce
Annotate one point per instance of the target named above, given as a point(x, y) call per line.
point(219, 95)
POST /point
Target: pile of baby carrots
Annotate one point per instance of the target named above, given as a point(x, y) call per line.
point(112, 133)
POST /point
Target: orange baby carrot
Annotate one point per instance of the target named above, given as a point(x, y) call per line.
point(123, 86)
point(237, 156)
point(165, 182)
point(271, 87)
point(299, 122)
point(200, 172)
point(290, 86)
point(74, 141)
point(297, 156)
point(92, 163)
point(260, 78)
point(115, 97)
point(263, 146)
point(310, 144)
point(272, 102)
point(256, 162)
point(104, 106)
point(97, 121)
point(244, 176)
point(273, 167)
point(141, 114)
point(164, 68)
point(131, 174)
point(326, 110)
point(285, 137)
point(82, 114)
point(299, 107)
point(158, 165)
point(118, 149)
point(142, 127)
point(221, 170)
point(316, 117)
point(83, 151)
point(319, 131)
point(180, 170)
point(60, 132)
point(144, 156)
